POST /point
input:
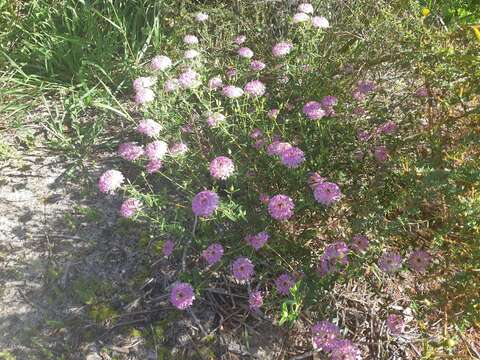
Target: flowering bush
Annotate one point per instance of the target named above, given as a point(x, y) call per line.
point(321, 162)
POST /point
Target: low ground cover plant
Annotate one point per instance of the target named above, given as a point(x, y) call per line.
point(285, 151)
point(320, 153)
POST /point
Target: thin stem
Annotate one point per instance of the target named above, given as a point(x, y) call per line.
point(187, 245)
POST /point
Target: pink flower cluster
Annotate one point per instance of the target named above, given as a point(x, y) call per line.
point(189, 79)
point(130, 151)
point(221, 167)
point(130, 207)
point(292, 157)
point(110, 181)
point(243, 269)
point(143, 92)
point(160, 62)
point(282, 48)
point(258, 240)
point(156, 150)
point(284, 283)
point(327, 193)
point(326, 337)
point(205, 203)
point(363, 89)
point(245, 52)
point(149, 128)
point(255, 88)
point(280, 207)
point(334, 258)
point(255, 300)
point(182, 296)
point(213, 253)
point(315, 110)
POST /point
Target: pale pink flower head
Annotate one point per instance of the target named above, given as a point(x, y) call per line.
point(305, 8)
point(276, 148)
point(130, 207)
point(395, 324)
point(390, 262)
point(381, 153)
point(315, 179)
point(256, 133)
point(144, 96)
point(168, 247)
point(156, 150)
point(215, 83)
point(366, 86)
point(324, 335)
point(313, 110)
point(153, 166)
point(257, 65)
point(222, 167)
point(258, 240)
point(360, 242)
point(243, 269)
point(130, 151)
point(320, 22)
point(338, 250)
point(363, 135)
point(190, 39)
point(357, 95)
point(149, 127)
point(300, 18)
point(213, 253)
point(190, 54)
point(205, 203)
point(387, 128)
point(329, 101)
point(345, 350)
point(232, 92)
point(171, 85)
point(189, 79)
point(215, 119)
point(110, 181)
point(273, 114)
point(419, 260)
point(292, 157)
point(255, 300)
point(160, 62)
point(281, 49)
point(422, 92)
point(245, 52)
point(143, 82)
point(264, 199)
point(255, 88)
point(240, 39)
point(280, 207)
point(334, 258)
point(178, 149)
point(182, 296)
point(327, 193)
point(201, 17)
point(284, 283)
point(326, 266)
